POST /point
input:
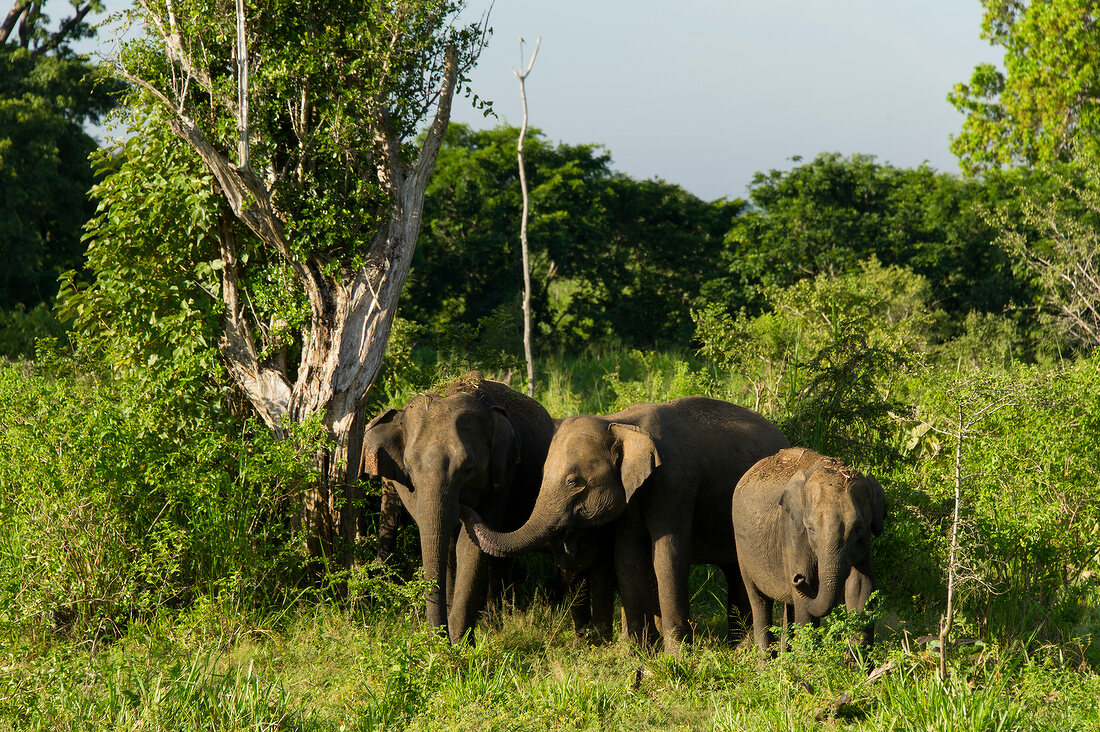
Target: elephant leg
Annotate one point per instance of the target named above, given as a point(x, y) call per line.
point(580, 608)
point(737, 604)
point(389, 521)
point(857, 589)
point(470, 588)
point(452, 563)
point(671, 554)
point(637, 586)
point(601, 592)
point(761, 618)
point(788, 621)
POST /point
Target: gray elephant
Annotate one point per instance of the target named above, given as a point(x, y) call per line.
point(585, 561)
point(664, 473)
point(476, 442)
point(803, 524)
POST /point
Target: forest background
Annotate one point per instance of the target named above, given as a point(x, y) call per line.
point(938, 331)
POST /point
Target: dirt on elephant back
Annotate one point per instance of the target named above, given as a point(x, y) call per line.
point(496, 393)
point(789, 461)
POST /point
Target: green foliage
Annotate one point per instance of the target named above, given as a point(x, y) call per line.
point(319, 77)
point(824, 359)
point(652, 377)
point(608, 253)
point(1030, 471)
point(120, 502)
point(151, 311)
point(47, 94)
point(1044, 101)
point(1058, 242)
point(828, 215)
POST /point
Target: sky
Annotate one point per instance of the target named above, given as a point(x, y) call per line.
point(704, 93)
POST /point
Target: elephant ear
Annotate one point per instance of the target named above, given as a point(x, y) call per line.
point(793, 499)
point(878, 505)
point(637, 453)
point(384, 447)
point(506, 450)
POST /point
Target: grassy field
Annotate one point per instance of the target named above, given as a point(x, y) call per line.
point(323, 667)
point(146, 584)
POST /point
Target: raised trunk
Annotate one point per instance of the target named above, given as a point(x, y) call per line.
point(535, 533)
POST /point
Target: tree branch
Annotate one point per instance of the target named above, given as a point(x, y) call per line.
point(268, 389)
point(425, 161)
point(17, 10)
point(56, 39)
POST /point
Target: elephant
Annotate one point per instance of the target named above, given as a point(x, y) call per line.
point(803, 524)
point(585, 561)
point(663, 474)
point(477, 442)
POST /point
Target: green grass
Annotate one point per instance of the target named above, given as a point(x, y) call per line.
point(147, 583)
point(324, 667)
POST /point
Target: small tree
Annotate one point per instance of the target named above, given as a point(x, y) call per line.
point(973, 396)
point(305, 116)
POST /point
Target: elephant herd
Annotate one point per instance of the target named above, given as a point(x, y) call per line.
point(625, 503)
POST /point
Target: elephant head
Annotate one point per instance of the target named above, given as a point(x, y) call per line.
point(592, 471)
point(440, 451)
point(830, 514)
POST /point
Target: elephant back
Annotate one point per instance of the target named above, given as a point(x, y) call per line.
point(768, 477)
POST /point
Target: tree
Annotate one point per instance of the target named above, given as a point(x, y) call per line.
point(469, 222)
point(304, 117)
point(1058, 241)
point(1046, 99)
point(523, 220)
point(47, 94)
point(826, 216)
point(612, 257)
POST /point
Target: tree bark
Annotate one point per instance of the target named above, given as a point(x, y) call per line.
point(351, 312)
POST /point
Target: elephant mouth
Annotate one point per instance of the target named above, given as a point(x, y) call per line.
point(806, 587)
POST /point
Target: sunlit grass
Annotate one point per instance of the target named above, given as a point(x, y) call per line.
point(326, 668)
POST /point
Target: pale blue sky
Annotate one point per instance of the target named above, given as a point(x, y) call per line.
point(704, 93)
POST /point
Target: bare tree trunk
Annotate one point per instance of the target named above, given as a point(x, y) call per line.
point(948, 620)
point(523, 221)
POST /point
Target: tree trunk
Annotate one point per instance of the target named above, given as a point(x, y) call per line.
point(351, 311)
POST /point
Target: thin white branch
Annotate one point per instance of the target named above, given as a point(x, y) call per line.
point(523, 220)
point(242, 87)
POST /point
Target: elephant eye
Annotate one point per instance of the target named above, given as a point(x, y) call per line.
point(574, 481)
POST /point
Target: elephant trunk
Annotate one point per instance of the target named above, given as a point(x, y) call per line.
point(527, 538)
point(830, 587)
point(435, 536)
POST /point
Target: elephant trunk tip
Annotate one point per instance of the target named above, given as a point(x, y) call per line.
point(475, 529)
point(802, 586)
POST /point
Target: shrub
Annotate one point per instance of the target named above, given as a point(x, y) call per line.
point(117, 505)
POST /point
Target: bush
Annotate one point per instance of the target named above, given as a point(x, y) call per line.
point(117, 505)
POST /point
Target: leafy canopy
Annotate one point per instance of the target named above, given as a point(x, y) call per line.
point(827, 215)
point(48, 93)
point(1047, 97)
